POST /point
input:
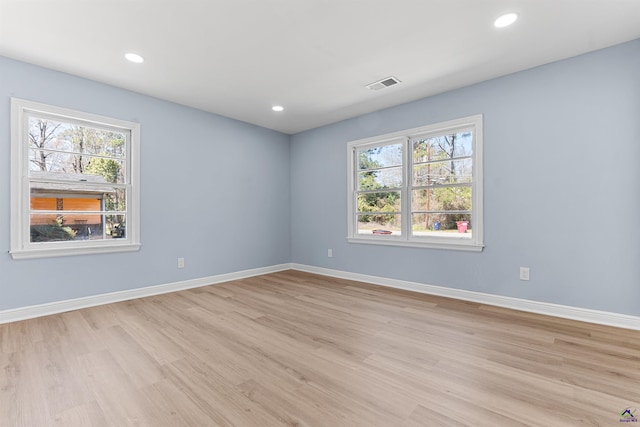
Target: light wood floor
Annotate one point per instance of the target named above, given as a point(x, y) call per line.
point(297, 349)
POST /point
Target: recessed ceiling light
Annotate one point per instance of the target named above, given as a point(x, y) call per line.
point(505, 20)
point(277, 108)
point(134, 57)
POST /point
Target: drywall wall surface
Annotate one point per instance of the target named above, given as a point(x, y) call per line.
point(561, 186)
point(214, 191)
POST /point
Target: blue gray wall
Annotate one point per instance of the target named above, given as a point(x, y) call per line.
point(562, 189)
point(561, 195)
point(214, 191)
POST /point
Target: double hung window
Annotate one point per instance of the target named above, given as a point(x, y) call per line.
point(419, 187)
point(74, 182)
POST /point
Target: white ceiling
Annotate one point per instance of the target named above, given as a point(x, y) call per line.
point(237, 58)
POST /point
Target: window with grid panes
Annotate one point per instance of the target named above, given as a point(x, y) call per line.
point(419, 187)
point(75, 186)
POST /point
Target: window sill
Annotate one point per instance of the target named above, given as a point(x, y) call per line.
point(454, 244)
point(84, 250)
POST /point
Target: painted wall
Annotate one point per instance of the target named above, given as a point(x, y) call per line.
point(214, 191)
point(562, 189)
point(561, 196)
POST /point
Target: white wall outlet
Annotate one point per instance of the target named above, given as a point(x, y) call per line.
point(524, 273)
point(329, 253)
point(180, 262)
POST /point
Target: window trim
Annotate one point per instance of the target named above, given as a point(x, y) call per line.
point(21, 246)
point(475, 243)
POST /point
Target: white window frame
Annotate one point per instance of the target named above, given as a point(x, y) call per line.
point(21, 245)
point(462, 243)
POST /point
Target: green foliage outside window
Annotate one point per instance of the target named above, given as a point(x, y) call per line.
point(51, 232)
point(384, 201)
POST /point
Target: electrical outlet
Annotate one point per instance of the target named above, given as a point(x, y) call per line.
point(180, 262)
point(524, 273)
point(330, 253)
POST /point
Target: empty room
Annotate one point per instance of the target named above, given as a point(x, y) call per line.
point(319, 213)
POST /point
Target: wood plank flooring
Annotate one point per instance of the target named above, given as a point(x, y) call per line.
point(296, 349)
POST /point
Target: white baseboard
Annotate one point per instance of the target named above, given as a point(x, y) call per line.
point(30, 312)
point(567, 312)
point(556, 310)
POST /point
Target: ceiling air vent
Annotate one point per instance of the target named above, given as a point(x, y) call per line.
point(381, 84)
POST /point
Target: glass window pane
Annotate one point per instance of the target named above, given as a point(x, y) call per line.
point(459, 144)
point(381, 178)
point(116, 200)
point(441, 199)
point(115, 226)
point(380, 225)
point(446, 172)
point(383, 202)
point(380, 157)
point(64, 197)
point(75, 167)
point(443, 225)
point(76, 226)
point(45, 134)
point(41, 202)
